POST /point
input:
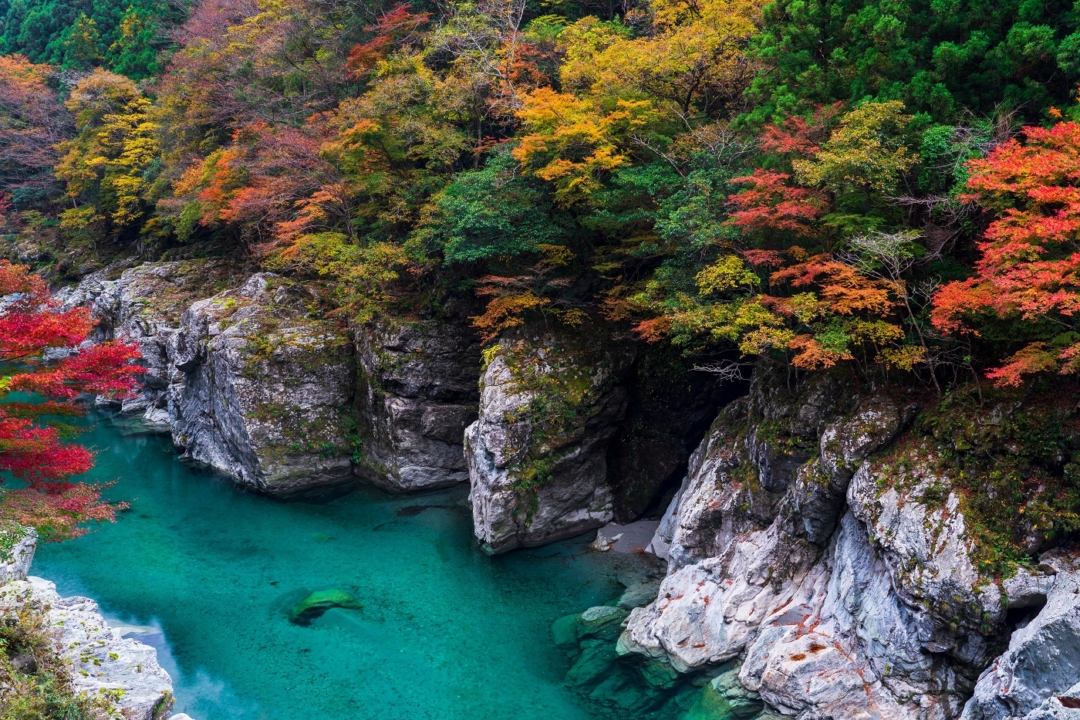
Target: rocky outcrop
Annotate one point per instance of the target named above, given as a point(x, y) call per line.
point(143, 305)
point(102, 662)
point(537, 456)
point(836, 565)
point(1038, 677)
point(416, 394)
point(853, 562)
point(267, 388)
point(256, 384)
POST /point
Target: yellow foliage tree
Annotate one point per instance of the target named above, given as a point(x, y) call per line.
point(693, 60)
point(108, 162)
point(865, 152)
point(572, 142)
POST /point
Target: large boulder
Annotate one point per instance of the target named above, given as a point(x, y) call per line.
point(537, 456)
point(267, 389)
point(416, 394)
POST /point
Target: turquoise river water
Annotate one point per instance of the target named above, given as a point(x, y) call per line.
point(446, 632)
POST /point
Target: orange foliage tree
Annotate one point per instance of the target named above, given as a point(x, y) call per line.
point(1028, 271)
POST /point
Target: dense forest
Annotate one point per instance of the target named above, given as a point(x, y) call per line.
point(892, 185)
point(780, 298)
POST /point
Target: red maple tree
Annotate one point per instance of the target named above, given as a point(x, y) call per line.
point(1029, 267)
point(31, 449)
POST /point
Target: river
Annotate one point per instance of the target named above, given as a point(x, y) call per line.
point(445, 633)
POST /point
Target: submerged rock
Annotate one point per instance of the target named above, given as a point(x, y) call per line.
point(267, 388)
point(416, 394)
point(317, 603)
point(537, 455)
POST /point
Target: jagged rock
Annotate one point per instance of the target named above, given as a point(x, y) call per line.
point(916, 521)
point(102, 662)
point(848, 646)
point(757, 448)
point(767, 567)
point(143, 305)
point(416, 394)
point(1042, 663)
point(734, 556)
point(550, 404)
point(1065, 706)
point(268, 388)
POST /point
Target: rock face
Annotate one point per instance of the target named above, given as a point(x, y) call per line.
point(1042, 663)
point(836, 566)
point(416, 394)
point(669, 408)
point(267, 388)
point(537, 455)
point(101, 660)
point(254, 383)
point(143, 305)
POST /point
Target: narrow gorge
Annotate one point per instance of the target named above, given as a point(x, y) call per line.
point(540, 359)
point(828, 546)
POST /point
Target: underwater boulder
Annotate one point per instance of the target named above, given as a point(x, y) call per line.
point(317, 603)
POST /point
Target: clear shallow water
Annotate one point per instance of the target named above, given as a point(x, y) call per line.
point(446, 632)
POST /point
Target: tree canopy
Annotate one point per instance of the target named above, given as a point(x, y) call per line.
point(881, 184)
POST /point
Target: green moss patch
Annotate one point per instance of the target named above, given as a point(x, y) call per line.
point(1013, 460)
